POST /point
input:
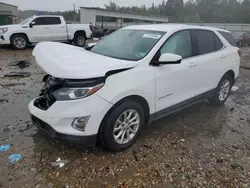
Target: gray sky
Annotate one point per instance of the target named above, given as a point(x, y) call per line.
point(68, 4)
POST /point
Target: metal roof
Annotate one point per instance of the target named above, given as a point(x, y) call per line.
point(8, 4)
point(123, 12)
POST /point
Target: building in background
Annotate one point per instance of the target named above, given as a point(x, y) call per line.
point(8, 14)
point(116, 19)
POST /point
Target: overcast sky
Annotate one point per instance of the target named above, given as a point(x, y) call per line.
point(68, 4)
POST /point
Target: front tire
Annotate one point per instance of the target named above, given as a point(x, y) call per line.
point(122, 127)
point(223, 90)
point(19, 42)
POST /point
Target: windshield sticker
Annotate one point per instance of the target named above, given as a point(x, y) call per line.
point(152, 36)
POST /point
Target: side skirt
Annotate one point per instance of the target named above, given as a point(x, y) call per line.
point(180, 106)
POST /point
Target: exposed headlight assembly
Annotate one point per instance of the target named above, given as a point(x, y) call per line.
point(75, 93)
point(3, 30)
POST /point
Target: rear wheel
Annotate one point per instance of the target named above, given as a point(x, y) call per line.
point(19, 41)
point(80, 40)
point(223, 90)
point(122, 126)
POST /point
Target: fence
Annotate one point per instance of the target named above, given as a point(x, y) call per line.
point(227, 26)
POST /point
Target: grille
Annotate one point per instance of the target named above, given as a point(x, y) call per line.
point(40, 124)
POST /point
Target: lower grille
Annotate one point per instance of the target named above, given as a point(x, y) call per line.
point(41, 124)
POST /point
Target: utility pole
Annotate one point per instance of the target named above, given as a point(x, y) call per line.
point(74, 11)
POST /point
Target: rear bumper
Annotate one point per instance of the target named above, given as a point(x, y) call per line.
point(89, 141)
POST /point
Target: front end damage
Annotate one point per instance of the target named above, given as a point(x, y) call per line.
point(47, 98)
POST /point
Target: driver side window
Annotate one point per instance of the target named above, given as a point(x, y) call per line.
point(179, 43)
point(39, 21)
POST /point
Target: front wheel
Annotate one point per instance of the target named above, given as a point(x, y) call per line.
point(223, 90)
point(123, 126)
point(19, 42)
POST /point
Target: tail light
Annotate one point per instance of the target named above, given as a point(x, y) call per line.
point(91, 27)
point(239, 52)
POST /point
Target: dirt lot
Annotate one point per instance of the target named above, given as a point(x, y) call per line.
point(203, 146)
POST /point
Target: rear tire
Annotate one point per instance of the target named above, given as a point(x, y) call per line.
point(122, 127)
point(80, 40)
point(19, 42)
point(223, 90)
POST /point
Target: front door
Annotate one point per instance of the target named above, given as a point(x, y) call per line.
point(48, 29)
point(176, 83)
point(37, 33)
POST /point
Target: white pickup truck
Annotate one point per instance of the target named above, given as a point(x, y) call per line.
point(44, 28)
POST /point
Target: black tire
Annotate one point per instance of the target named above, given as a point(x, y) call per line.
point(19, 42)
point(216, 99)
point(106, 133)
point(80, 40)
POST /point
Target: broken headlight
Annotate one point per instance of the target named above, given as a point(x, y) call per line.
point(75, 93)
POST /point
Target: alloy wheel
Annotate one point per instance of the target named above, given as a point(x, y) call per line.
point(126, 126)
point(224, 90)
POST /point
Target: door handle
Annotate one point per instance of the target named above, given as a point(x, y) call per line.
point(62, 27)
point(222, 56)
point(45, 28)
point(192, 64)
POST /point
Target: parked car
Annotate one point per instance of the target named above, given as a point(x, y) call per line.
point(44, 28)
point(242, 38)
point(130, 78)
point(97, 32)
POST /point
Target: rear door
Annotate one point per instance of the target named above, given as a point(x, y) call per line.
point(56, 29)
point(210, 59)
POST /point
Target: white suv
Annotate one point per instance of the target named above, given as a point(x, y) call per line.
point(132, 77)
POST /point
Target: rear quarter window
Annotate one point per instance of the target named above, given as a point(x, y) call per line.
point(229, 38)
point(206, 42)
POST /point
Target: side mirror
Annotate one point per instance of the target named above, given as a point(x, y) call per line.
point(32, 24)
point(92, 44)
point(168, 58)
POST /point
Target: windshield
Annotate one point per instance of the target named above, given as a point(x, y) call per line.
point(26, 20)
point(128, 44)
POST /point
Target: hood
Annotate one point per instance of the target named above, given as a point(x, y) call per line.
point(66, 61)
point(11, 26)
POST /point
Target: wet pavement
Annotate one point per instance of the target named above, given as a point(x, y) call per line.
point(202, 146)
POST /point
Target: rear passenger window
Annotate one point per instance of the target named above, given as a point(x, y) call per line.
point(204, 42)
point(53, 20)
point(229, 38)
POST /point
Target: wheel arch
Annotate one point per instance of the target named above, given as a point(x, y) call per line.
point(231, 74)
point(141, 100)
point(82, 32)
point(19, 33)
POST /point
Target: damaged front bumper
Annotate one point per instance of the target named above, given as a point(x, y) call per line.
point(86, 140)
point(57, 117)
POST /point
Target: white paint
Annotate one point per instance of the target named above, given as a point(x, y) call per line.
point(66, 61)
point(61, 33)
point(161, 86)
point(169, 58)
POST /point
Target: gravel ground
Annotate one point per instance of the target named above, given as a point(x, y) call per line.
point(202, 146)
